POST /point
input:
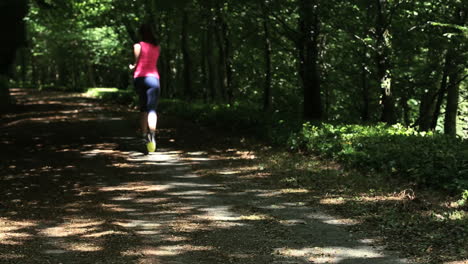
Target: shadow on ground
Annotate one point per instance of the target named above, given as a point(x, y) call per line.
point(75, 188)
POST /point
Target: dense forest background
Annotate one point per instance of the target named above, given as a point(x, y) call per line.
point(395, 61)
point(364, 102)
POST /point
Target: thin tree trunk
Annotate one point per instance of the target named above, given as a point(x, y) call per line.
point(188, 91)
point(208, 54)
point(228, 61)
point(308, 53)
point(5, 97)
point(427, 106)
point(426, 109)
point(204, 65)
point(451, 113)
point(168, 74)
point(162, 68)
point(222, 58)
point(24, 67)
point(212, 77)
point(438, 106)
point(457, 66)
point(267, 96)
point(92, 80)
point(34, 74)
point(442, 91)
point(365, 93)
point(383, 64)
point(406, 110)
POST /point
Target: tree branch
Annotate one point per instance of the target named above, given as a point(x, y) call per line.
point(461, 80)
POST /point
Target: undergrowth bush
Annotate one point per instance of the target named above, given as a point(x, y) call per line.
point(427, 159)
point(114, 95)
point(274, 126)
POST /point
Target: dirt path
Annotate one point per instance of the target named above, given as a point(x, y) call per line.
point(75, 189)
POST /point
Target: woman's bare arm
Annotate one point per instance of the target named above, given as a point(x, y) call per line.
point(136, 52)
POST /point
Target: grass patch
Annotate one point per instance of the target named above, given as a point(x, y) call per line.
point(100, 92)
point(113, 95)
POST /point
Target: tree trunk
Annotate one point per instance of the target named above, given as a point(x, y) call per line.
point(383, 64)
point(457, 67)
point(438, 106)
point(427, 106)
point(426, 109)
point(212, 77)
point(92, 80)
point(208, 55)
point(406, 110)
point(5, 97)
point(388, 103)
point(24, 67)
point(228, 61)
point(188, 91)
point(451, 112)
point(267, 96)
point(365, 73)
point(308, 54)
point(442, 91)
point(167, 77)
point(365, 116)
point(12, 26)
point(34, 75)
point(162, 68)
point(224, 44)
point(164, 73)
point(222, 56)
point(204, 65)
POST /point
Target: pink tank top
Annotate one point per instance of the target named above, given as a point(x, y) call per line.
point(146, 65)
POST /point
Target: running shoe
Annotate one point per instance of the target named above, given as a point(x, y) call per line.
point(151, 142)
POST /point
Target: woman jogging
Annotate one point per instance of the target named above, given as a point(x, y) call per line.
point(146, 79)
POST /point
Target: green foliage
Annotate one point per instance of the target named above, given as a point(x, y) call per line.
point(99, 92)
point(427, 159)
point(238, 118)
point(464, 199)
point(462, 29)
point(113, 95)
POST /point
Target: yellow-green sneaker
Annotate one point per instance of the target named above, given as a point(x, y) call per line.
point(151, 142)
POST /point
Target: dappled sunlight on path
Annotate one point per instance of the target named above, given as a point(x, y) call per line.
point(75, 188)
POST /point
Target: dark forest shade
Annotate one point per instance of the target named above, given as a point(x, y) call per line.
point(12, 30)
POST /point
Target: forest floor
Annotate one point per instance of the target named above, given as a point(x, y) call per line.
point(76, 188)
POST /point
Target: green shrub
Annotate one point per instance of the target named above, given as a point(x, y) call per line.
point(423, 158)
point(113, 95)
point(243, 119)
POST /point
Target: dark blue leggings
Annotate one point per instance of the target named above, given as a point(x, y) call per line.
point(148, 90)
